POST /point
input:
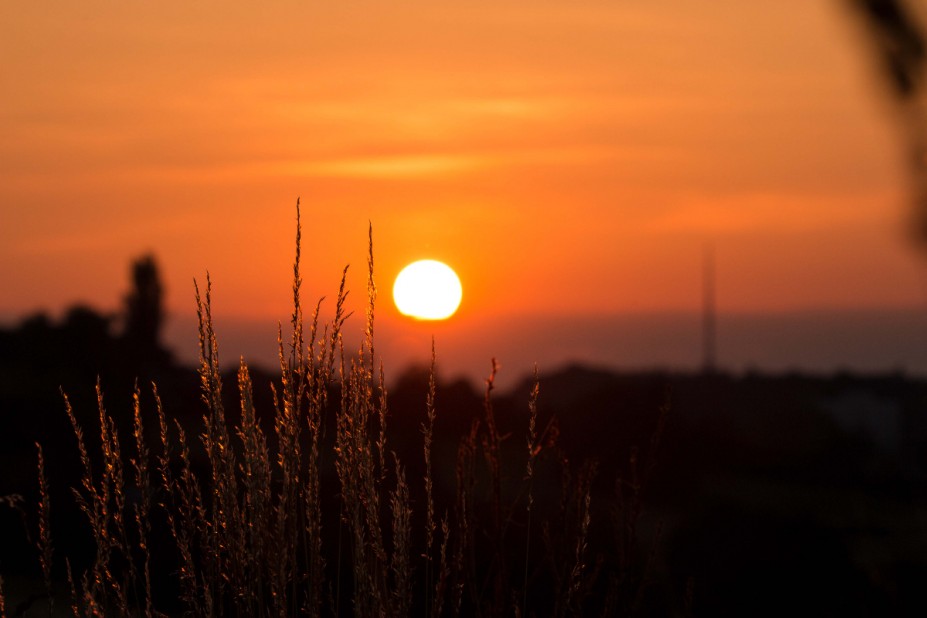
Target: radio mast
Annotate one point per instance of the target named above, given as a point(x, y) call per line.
point(708, 310)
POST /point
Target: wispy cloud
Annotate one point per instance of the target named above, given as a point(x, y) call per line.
point(399, 166)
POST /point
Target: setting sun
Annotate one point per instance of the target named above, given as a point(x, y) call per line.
point(427, 290)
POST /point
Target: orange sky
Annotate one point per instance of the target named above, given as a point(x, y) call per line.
point(565, 158)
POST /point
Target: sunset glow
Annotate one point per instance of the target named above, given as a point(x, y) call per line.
point(569, 159)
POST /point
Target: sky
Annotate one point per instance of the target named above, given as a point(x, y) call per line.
point(571, 161)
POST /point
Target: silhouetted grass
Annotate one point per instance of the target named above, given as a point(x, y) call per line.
point(319, 517)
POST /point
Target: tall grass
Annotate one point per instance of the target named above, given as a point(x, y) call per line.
point(318, 517)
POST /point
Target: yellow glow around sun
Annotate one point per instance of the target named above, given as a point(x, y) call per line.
point(427, 290)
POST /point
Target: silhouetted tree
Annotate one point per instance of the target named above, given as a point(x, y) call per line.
point(144, 312)
point(899, 41)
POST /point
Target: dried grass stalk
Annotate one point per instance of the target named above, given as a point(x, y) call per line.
point(44, 542)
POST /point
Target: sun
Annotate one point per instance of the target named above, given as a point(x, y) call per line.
point(427, 290)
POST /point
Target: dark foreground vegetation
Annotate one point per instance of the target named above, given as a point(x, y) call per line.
point(319, 489)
